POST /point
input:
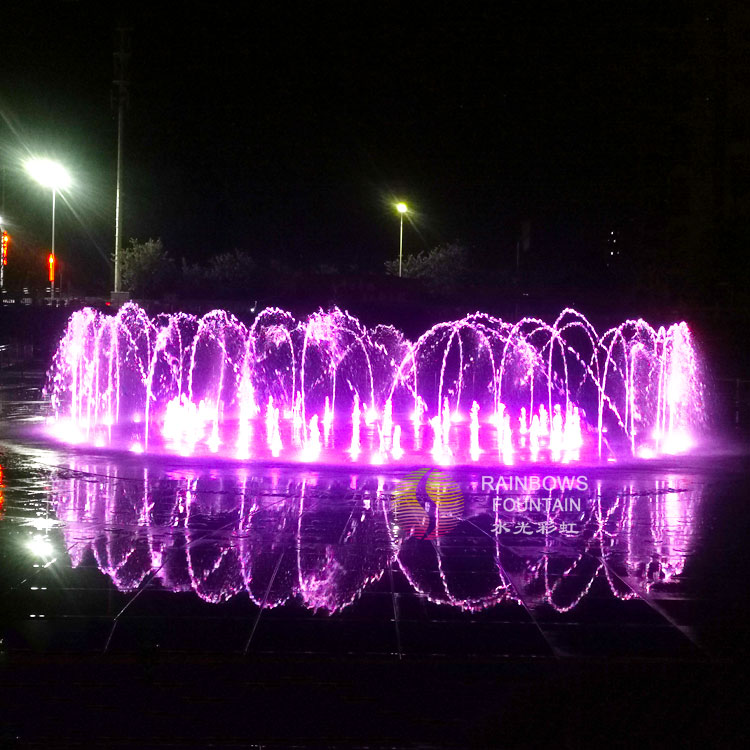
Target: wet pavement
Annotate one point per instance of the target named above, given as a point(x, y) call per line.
point(149, 602)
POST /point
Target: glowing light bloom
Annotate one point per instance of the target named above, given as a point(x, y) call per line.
point(543, 421)
point(354, 448)
point(501, 422)
point(271, 418)
point(446, 421)
point(474, 449)
point(275, 443)
point(183, 423)
point(248, 411)
point(677, 441)
point(388, 418)
point(572, 435)
point(419, 409)
point(440, 452)
point(327, 418)
point(534, 433)
point(136, 448)
point(313, 446)
point(523, 424)
point(48, 173)
point(40, 546)
point(556, 433)
point(383, 442)
point(67, 431)
point(273, 435)
point(396, 450)
point(297, 421)
point(43, 524)
point(214, 441)
point(507, 441)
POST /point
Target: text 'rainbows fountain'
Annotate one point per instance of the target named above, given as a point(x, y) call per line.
point(329, 390)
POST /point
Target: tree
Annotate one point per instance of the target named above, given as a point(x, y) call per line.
point(147, 269)
point(227, 275)
point(443, 268)
point(232, 271)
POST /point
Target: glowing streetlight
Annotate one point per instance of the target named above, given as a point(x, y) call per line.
point(40, 546)
point(51, 175)
point(402, 208)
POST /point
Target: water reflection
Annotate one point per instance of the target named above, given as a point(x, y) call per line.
point(323, 539)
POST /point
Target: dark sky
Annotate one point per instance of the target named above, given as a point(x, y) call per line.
point(288, 129)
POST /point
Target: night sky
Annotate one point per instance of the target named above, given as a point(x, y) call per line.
point(288, 130)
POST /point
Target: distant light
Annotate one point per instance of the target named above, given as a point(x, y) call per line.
point(40, 546)
point(41, 524)
point(678, 441)
point(402, 208)
point(48, 173)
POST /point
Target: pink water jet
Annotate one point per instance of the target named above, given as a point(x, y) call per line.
point(328, 389)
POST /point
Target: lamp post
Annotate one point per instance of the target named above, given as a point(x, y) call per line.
point(402, 208)
point(52, 175)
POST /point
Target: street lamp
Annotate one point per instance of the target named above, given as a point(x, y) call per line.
point(52, 175)
point(402, 208)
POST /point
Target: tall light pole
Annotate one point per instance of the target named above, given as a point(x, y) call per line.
point(122, 59)
point(402, 208)
point(52, 175)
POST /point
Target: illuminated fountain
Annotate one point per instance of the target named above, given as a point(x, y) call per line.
point(329, 390)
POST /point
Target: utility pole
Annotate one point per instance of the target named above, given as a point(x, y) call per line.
point(120, 95)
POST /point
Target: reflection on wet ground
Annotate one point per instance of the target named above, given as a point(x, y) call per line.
point(101, 555)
